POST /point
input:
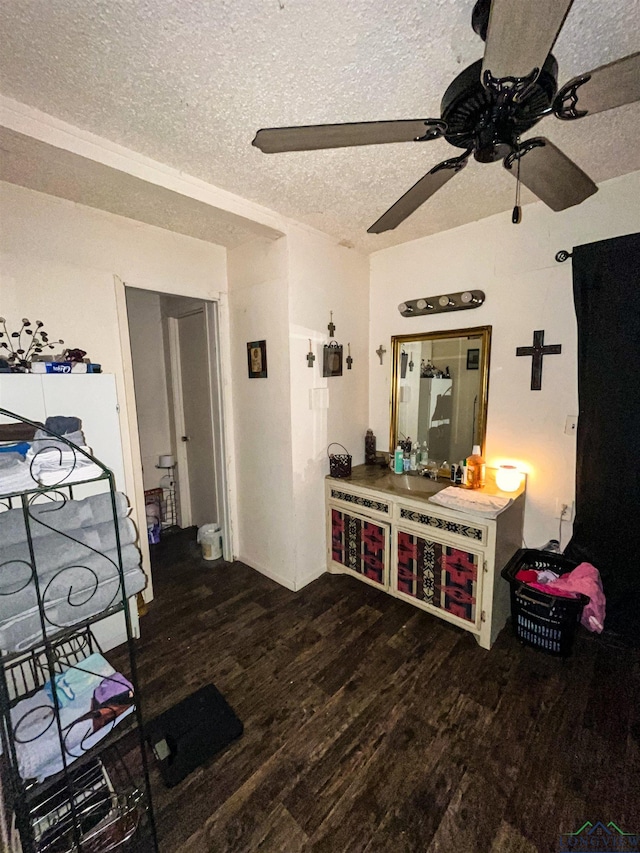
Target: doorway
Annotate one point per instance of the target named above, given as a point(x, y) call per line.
point(176, 377)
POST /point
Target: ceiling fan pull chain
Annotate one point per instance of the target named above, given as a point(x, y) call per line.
point(516, 215)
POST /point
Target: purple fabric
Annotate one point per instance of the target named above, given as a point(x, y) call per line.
point(585, 578)
point(110, 687)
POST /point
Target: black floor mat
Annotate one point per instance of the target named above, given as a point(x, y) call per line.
point(190, 733)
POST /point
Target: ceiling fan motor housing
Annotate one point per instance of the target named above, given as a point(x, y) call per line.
point(483, 119)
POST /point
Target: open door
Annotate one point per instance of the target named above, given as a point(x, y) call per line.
point(193, 418)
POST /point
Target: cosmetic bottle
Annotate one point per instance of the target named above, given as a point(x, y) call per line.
point(398, 460)
point(475, 469)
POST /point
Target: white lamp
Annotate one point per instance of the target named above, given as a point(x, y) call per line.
point(508, 478)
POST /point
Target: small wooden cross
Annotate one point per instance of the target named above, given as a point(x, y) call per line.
point(349, 359)
point(310, 356)
point(538, 351)
point(380, 352)
point(331, 325)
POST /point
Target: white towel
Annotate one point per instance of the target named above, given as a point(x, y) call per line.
point(52, 467)
point(16, 477)
point(471, 502)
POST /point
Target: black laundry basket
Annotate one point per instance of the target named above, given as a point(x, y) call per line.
point(541, 620)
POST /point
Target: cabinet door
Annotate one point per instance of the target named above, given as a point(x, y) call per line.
point(440, 576)
point(360, 545)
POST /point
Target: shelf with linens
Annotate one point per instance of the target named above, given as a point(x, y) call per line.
point(74, 766)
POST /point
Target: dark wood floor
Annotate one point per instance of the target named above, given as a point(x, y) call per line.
point(371, 726)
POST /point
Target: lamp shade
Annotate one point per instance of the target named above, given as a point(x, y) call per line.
point(508, 478)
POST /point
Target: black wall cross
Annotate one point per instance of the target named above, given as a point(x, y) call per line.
point(538, 351)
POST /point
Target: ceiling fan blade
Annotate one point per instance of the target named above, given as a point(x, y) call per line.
point(602, 89)
point(520, 36)
point(275, 140)
point(550, 174)
point(418, 194)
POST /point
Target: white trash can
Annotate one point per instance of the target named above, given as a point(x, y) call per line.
point(210, 539)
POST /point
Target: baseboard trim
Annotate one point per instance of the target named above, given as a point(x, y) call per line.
point(283, 580)
point(305, 580)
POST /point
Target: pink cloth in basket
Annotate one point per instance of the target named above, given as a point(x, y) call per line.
point(585, 579)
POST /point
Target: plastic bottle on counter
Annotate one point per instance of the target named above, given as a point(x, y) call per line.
point(475, 469)
point(398, 459)
point(413, 461)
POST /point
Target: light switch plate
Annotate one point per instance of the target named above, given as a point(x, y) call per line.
point(318, 398)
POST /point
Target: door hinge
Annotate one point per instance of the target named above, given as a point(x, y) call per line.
point(483, 616)
point(485, 566)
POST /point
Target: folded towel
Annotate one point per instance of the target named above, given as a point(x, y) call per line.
point(470, 501)
point(65, 516)
point(72, 605)
point(15, 476)
point(63, 424)
point(58, 457)
point(74, 474)
point(37, 741)
point(17, 591)
point(56, 550)
point(67, 427)
point(53, 466)
point(9, 458)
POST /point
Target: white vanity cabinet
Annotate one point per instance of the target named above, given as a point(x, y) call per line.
point(442, 561)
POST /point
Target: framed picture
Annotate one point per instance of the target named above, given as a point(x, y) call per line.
point(473, 359)
point(332, 359)
point(257, 359)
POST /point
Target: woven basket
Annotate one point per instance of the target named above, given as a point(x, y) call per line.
point(339, 463)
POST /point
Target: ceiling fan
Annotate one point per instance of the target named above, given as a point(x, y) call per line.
point(488, 106)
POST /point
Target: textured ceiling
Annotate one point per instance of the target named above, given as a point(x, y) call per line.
point(189, 83)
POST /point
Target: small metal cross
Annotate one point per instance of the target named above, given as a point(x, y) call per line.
point(310, 356)
point(331, 325)
point(537, 351)
point(380, 352)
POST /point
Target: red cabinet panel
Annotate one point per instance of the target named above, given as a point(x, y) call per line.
point(437, 574)
point(359, 545)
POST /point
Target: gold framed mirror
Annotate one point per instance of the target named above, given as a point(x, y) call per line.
point(439, 391)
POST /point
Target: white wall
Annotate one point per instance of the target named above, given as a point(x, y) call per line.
point(258, 310)
point(526, 289)
point(149, 375)
point(324, 277)
point(283, 292)
point(58, 261)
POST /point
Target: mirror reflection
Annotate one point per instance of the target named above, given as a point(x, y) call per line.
point(439, 392)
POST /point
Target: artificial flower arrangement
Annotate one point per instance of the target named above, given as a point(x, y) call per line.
point(23, 345)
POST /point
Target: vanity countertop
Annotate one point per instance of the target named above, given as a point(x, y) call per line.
point(413, 485)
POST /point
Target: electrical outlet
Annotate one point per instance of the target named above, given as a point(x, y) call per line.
point(565, 510)
point(571, 425)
